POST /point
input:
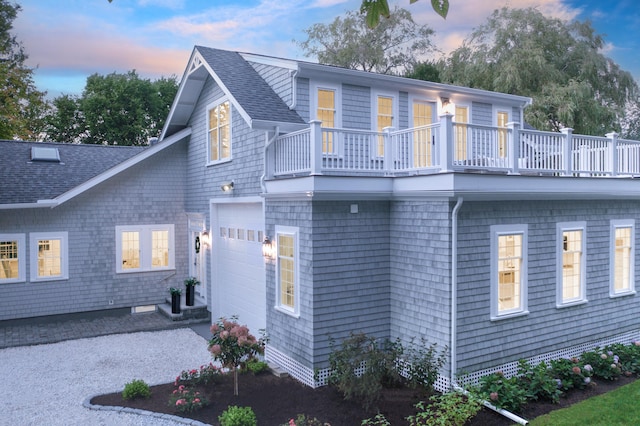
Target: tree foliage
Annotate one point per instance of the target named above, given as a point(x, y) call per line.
point(374, 9)
point(557, 63)
point(22, 105)
point(388, 48)
point(116, 109)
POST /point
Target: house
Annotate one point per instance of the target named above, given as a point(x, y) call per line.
point(332, 201)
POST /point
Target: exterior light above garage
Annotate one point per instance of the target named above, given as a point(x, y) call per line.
point(227, 186)
point(267, 248)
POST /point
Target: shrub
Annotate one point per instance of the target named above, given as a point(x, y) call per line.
point(378, 420)
point(377, 362)
point(569, 374)
point(628, 355)
point(424, 363)
point(256, 366)
point(303, 420)
point(205, 375)
point(136, 389)
point(501, 392)
point(238, 416)
point(186, 400)
point(449, 409)
point(538, 382)
point(605, 364)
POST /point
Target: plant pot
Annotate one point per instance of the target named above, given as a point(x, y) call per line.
point(191, 295)
point(175, 303)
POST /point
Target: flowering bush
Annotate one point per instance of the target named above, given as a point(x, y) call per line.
point(501, 392)
point(605, 363)
point(232, 344)
point(303, 420)
point(538, 381)
point(205, 375)
point(570, 373)
point(186, 400)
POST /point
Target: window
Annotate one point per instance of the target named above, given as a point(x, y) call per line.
point(287, 270)
point(461, 119)
point(49, 256)
point(571, 263)
point(622, 256)
point(508, 271)
point(502, 119)
point(219, 125)
point(327, 114)
point(422, 138)
point(384, 118)
point(12, 258)
point(144, 248)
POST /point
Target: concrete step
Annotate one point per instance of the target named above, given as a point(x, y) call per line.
point(194, 314)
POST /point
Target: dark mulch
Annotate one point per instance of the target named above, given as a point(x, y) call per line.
point(276, 400)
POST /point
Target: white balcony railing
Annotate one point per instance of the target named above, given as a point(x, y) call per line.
point(448, 146)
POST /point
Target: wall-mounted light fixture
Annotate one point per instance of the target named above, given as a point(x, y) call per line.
point(227, 186)
point(267, 248)
point(206, 240)
point(447, 105)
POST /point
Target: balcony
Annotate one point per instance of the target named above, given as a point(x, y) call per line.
point(446, 147)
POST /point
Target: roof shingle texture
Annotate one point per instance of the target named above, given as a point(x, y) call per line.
point(26, 181)
point(255, 96)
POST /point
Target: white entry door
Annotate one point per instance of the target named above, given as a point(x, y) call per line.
point(238, 278)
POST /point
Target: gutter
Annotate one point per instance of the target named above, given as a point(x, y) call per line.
point(454, 314)
point(276, 133)
point(294, 87)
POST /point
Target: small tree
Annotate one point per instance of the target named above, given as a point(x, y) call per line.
point(232, 345)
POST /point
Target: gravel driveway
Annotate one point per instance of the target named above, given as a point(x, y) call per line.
point(47, 384)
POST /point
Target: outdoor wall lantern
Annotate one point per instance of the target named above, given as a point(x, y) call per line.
point(267, 248)
point(206, 241)
point(447, 105)
point(227, 186)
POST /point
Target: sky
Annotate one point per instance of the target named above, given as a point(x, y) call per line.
point(68, 40)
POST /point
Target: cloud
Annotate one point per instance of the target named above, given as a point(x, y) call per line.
point(168, 4)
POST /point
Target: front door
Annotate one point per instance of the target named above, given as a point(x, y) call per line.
point(198, 245)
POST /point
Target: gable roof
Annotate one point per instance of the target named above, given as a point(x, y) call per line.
point(27, 183)
point(256, 101)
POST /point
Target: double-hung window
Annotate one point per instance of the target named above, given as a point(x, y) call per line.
point(502, 118)
point(287, 267)
point(144, 248)
point(49, 256)
point(219, 132)
point(423, 136)
point(621, 258)
point(508, 271)
point(461, 120)
point(327, 114)
point(12, 258)
point(385, 111)
point(571, 263)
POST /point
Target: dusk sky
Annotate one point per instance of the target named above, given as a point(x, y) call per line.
point(68, 40)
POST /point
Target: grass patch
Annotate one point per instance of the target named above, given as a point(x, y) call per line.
point(618, 407)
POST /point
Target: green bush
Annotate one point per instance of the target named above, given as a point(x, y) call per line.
point(538, 381)
point(569, 374)
point(238, 416)
point(501, 392)
point(256, 366)
point(378, 420)
point(378, 360)
point(629, 357)
point(424, 363)
point(136, 389)
point(605, 364)
point(449, 409)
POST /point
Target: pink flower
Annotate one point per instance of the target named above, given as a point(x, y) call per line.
point(181, 388)
point(215, 350)
point(576, 370)
point(196, 401)
point(214, 328)
point(493, 396)
point(291, 422)
point(224, 335)
point(181, 402)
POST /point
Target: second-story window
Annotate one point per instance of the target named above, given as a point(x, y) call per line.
point(461, 120)
point(502, 119)
point(384, 119)
point(422, 138)
point(219, 119)
point(327, 114)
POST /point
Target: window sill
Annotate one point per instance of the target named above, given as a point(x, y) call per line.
point(570, 304)
point(287, 311)
point(215, 163)
point(510, 315)
point(622, 294)
point(133, 271)
point(46, 279)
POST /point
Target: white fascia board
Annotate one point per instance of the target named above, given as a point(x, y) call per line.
point(289, 64)
point(96, 180)
point(282, 126)
point(329, 188)
point(37, 205)
point(176, 100)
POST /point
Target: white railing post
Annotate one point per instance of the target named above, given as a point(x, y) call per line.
point(613, 153)
point(388, 150)
point(315, 149)
point(566, 154)
point(513, 147)
point(446, 142)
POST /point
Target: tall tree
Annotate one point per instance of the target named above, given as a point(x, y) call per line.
point(116, 109)
point(374, 9)
point(22, 106)
point(348, 42)
point(557, 63)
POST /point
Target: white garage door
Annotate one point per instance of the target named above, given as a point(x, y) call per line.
point(238, 268)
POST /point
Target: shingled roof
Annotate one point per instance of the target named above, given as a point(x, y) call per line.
point(26, 181)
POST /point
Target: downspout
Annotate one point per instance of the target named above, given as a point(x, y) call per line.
point(276, 132)
point(294, 88)
point(454, 314)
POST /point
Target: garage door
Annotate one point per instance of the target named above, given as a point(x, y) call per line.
point(238, 267)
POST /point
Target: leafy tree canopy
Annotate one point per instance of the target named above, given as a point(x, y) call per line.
point(388, 48)
point(22, 106)
point(557, 63)
point(374, 9)
point(116, 109)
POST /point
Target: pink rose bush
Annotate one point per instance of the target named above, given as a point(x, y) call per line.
point(232, 345)
point(186, 400)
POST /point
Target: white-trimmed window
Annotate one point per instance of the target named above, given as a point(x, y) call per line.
point(508, 271)
point(12, 258)
point(144, 248)
point(622, 265)
point(326, 112)
point(219, 132)
point(571, 263)
point(461, 120)
point(502, 117)
point(287, 267)
point(49, 256)
point(385, 108)
point(423, 113)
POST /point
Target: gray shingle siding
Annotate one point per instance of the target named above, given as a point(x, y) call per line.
point(90, 220)
point(481, 113)
point(356, 107)
point(303, 102)
point(483, 343)
point(276, 77)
